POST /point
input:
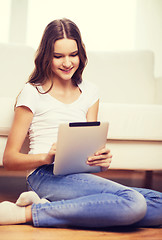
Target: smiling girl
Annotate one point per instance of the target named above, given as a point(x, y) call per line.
point(55, 94)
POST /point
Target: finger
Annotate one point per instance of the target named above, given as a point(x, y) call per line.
point(100, 162)
point(97, 158)
point(103, 164)
point(100, 157)
point(96, 162)
point(103, 151)
point(52, 151)
point(53, 147)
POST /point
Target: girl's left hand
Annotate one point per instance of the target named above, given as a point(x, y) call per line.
point(101, 158)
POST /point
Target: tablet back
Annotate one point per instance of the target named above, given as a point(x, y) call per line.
point(76, 142)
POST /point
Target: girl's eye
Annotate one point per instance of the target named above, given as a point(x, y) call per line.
point(55, 56)
point(59, 56)
point(74, 55)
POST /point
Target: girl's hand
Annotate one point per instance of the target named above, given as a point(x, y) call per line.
point(101, 158)
point(49, 157)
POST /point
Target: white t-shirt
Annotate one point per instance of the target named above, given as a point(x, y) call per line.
point(49, 113)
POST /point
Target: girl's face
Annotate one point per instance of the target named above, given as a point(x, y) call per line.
point(66, 59)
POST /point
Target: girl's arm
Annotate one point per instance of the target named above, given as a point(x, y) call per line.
point(103, 156)
point(13, 159)
point(92, 113)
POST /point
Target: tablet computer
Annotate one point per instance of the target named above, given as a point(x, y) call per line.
point(76, 142)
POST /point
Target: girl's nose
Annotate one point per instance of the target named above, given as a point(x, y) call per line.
point(66, 62)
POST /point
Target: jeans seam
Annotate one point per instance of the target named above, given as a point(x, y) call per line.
point(31, 186)
point(67, 205)
point(34, 215)
point(83, 180)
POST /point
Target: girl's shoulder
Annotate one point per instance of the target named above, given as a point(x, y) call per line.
point(90, 92)
point(29, 90)
point(28, 97)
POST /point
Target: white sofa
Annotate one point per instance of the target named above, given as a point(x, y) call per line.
point(131, 101)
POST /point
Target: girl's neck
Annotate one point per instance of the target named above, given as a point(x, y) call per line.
point(64, 91)
point(59, 85)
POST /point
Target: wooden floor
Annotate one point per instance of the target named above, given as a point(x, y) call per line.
point(11, 187)
point(25, 232)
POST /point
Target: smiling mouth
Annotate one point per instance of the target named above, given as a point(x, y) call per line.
point(66, 70)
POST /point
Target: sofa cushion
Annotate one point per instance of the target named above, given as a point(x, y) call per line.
point(16, 63)
point(6, 114)
point(132, 121)
point(3, 140)
point(127, 121)
point(122, 77)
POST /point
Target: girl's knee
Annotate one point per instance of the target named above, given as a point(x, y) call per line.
point(137, 209)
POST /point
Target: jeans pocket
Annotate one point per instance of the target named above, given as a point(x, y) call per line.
point(38, 176)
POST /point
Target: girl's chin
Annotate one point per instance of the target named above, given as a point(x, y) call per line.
point(66, 76)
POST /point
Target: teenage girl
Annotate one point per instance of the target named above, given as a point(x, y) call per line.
point(55, 94)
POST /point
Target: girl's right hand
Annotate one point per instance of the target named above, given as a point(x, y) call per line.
point(49, 158)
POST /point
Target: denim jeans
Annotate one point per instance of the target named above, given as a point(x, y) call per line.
point(86, 200)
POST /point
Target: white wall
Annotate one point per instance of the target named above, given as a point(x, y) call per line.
point(5, 13)
point(106, 25)
point(149, 29)
point(18, 21)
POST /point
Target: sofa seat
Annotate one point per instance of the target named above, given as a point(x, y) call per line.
point(133, 121)
point(134, 136)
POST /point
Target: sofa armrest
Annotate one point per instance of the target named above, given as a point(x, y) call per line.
point(158, 90)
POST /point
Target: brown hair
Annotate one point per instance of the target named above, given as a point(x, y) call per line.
point(57, 29)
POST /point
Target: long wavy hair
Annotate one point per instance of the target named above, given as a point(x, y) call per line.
point(57, 29)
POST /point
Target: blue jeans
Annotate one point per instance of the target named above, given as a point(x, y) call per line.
point(87, 200)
